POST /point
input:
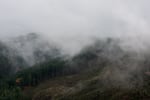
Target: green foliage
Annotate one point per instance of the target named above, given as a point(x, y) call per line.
point(13, 93)
point(4, 62)
point(34, 75)
point(11, 87)
point(5, 66)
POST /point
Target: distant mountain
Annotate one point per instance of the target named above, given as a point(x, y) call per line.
point(6, 66)
point(101, 71)
point(24, 51)
point(10, 61)
point(33, 48)
point(105, 71)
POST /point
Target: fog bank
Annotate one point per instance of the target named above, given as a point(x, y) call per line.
point(75, 24)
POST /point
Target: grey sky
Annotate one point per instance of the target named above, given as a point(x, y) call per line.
point(74, 22)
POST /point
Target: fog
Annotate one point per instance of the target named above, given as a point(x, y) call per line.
point(76, 23)
point(68, 27)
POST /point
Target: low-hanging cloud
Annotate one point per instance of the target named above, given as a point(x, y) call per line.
point(73, 23)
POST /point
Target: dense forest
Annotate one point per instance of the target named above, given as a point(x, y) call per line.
point(101, 71)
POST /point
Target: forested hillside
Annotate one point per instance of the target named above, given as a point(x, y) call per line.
point(100, 71)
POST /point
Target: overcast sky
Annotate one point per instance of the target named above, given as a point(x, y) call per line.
point(74, 22)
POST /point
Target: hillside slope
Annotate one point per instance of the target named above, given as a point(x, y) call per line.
point(103, 71)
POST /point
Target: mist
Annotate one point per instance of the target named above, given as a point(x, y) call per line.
point(75, 24)
point(74, 49)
